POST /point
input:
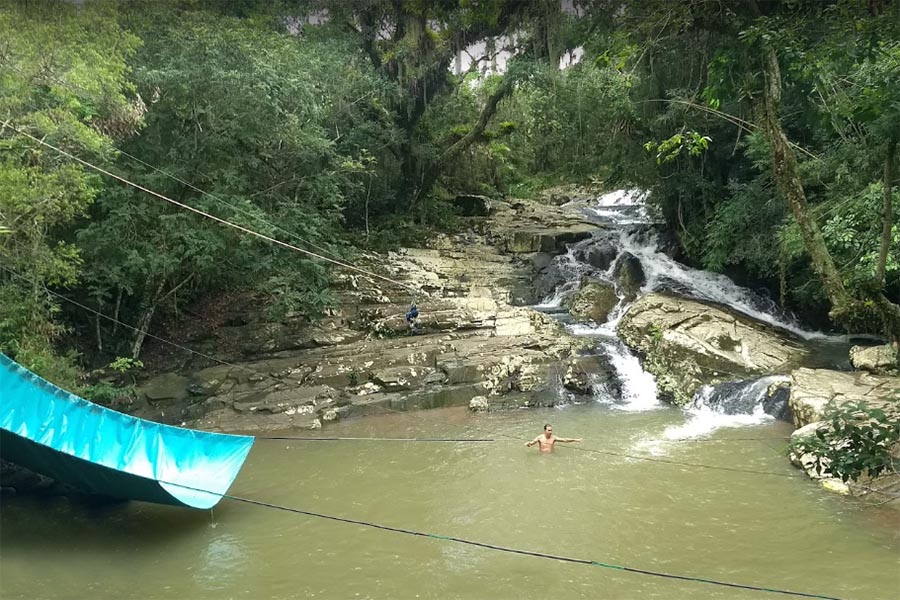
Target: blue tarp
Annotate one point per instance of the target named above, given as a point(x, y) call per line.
point(99, 450)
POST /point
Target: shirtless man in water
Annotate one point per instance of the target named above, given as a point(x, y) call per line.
point(546, 440)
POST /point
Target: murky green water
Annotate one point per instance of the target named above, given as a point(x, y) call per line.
point(759, 530)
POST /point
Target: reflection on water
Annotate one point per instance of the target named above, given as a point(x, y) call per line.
point(220, 564)
point(760, 530)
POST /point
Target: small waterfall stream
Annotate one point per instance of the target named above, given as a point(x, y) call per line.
point(627, 229)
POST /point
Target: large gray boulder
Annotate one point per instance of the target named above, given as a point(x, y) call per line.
point(812, 390)
point(629, 275)
point(687, 343)
point(473, 205)
point(600, 255)
point(875, 359)
point(167, 388)
point(593, 301)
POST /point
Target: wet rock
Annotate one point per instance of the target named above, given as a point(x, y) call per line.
point(580, 375)
point(400, 378)
point(473, 205)
point(166, 388)
point(599, 255)
point(479, 404)
point(809, 463)
point(686, 343)
point(777, 400)
point(877, 392)
point(17, 480)
point(542, 240)
point(881, 360)
point(629, 275)
point(541, 260)
point(593, 301)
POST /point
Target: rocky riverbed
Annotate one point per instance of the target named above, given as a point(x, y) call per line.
point(474, 337)
point(478, 343)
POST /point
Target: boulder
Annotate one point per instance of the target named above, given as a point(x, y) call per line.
point(473, 205)
point(808, 462)
point(812, 390)
point(479, 404)
point(593, 301)
point(401, 378)
point(629, 275)
point(880, 360)
point(687, 343)
point(167, 388)
point(600, 255)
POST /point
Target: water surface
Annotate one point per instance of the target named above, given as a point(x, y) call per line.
point(764, 530)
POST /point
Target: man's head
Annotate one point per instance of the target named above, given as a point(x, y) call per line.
point(548, 430)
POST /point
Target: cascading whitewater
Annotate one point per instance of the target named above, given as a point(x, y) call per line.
point(732, 404)
point(666, 274)
point(630, 229)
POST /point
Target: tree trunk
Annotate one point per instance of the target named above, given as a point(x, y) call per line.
point(116, 313)
point(888, 223)
point(142, 328)
point(787, 177)
point(490, 108)
point(844, 308)
point(552, 33)
point(144, 323)
point(97, 326)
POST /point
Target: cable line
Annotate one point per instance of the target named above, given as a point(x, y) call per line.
point(369, 439)
point(510, 550)
point(213, 217)
point(234, 207)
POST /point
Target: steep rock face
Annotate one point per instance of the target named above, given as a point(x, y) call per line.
point(471, 339)
point(687, 343)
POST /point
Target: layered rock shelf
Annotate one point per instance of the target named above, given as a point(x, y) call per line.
point(473, 338)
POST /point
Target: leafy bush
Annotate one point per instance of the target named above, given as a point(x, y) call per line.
point(106, 393)
point(857, 440)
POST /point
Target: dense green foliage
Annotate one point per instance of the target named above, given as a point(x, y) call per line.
point(856, 441)
point(63, 79)
point(352, 129)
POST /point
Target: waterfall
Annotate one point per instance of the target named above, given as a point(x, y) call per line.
point(666, 274)
point(732, 404)
point(626, 227)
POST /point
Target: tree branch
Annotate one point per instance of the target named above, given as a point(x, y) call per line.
point(490, 108)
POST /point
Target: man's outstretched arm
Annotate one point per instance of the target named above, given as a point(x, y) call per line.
point(533, 442)
point(567, 440)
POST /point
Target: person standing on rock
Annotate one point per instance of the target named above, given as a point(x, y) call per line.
point(411, 315)
point(546, 440)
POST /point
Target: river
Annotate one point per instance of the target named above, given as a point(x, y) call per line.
point(777, 530)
